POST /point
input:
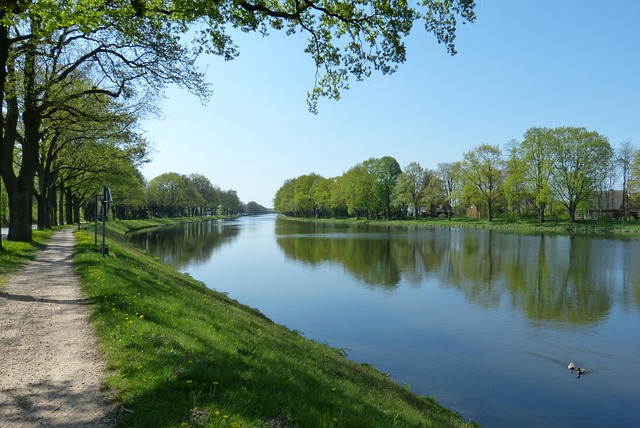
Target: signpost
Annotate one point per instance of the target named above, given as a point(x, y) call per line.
point(107, 200)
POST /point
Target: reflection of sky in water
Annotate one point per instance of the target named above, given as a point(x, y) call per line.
point(484, 322)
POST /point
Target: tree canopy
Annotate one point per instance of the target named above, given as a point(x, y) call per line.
point(131, 49)
point(550, 168)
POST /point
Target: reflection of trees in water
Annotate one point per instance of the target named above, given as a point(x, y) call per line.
point(186, 243)
point(474, 265)
point(557, 279)
point(565, 279)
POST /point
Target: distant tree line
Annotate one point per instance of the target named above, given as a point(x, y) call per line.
point(552, 173)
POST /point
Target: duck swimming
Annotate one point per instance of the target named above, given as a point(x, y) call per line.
point(571, 366)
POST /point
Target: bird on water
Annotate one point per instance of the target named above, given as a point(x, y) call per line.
point(578, 370)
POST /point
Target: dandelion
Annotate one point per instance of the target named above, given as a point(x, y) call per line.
point(334, 388)
point(217, 413)
point(189, 381)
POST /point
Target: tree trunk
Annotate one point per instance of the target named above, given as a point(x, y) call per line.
point(541, 210)
point(20, 204)
point(4, 57)
point(69, 200)
point(21, 187)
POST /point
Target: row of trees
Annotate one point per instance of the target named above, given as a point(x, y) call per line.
point(167, 195)
point(76, 76)
point(175, 195)
point(549, 172)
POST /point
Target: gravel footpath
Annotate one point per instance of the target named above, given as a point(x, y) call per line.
point(50, 370)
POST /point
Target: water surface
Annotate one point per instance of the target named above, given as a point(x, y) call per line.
point(484, 321)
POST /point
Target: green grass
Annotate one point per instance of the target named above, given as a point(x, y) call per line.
point(118, 229)
point(180, 354)
point(15, 255)
point(581, 226)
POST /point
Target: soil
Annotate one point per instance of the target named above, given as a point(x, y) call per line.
point(51, 372)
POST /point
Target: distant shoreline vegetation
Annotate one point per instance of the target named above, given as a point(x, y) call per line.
point(555, 226)
point(561, 174)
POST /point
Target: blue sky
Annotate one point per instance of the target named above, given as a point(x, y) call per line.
point(522, 63)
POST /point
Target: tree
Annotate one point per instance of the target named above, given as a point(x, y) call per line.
point(433, 194)
point(449, 175)
point(229, 202)
point(579, 160)
point(284, 199)
point(535, 154)
point(515, 185)
point(386, 171)
point(409, 188)
point(254, 208)
point(208, 196)
point(79, 135)
point(167, 194)
point(483, 171)
point(46, 60)
point(346, 40)
point(357, 186)
point(626, 154)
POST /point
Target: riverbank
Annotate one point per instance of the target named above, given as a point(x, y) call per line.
point(181, 354)
point(582, 226)
point(52, 371)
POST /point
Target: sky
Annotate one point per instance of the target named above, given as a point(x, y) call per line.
point(521, 64)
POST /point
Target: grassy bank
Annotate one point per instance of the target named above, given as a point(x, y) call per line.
point(15, 255)
point(180, 354)
point(582, 226)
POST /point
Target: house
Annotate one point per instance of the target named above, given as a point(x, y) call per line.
point(608, 204)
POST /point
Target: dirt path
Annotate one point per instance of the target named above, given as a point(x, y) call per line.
point(50, 369)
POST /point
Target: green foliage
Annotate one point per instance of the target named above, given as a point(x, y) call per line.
point(579, 162)
point(254, 208)
point(175, 195)
point(409, 188)
point(70, 54)
point(179, 354)
point(483, 173)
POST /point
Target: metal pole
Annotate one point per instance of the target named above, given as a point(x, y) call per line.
point(95, 219)
point(104, 219)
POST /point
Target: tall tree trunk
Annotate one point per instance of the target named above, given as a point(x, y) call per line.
point(541, 210)
point(24, 191)
point(69, 204)
point(19, 188)
point(4, 57)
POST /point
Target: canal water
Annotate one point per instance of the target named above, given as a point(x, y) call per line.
point(485, 322)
